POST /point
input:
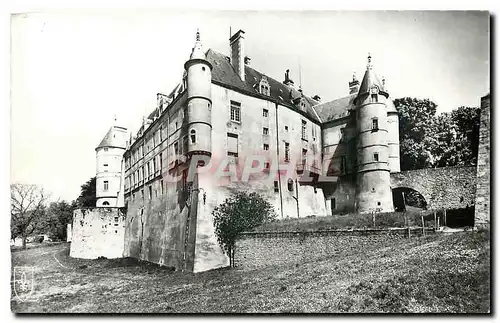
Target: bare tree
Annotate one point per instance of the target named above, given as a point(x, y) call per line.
point(27, 209)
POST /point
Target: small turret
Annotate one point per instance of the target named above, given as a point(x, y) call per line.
point(199, 101)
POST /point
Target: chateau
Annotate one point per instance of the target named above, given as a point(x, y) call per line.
point(229, 127)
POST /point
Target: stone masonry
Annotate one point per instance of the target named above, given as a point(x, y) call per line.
point(482, 212)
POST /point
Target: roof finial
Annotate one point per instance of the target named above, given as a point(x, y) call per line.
point(197, 34)
point(369, 65)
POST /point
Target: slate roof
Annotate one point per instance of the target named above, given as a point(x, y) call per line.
point(223, 72)
point(335, 109)
point(111, 140)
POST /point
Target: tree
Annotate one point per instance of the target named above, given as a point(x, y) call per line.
point(430, 140)
point(27, 210)
point(87, 196)
point(242, 212)
point(59, 214)
point(416, 125)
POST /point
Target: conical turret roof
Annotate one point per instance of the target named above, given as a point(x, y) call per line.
point(370, 79)
point(197, 52)
point(114, 138)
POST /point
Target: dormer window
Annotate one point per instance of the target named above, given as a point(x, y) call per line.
point(264, 86)
point(374, 93)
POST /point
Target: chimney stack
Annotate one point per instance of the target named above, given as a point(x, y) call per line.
point(247, 60)
point(354, 85)
point(237, 43)
point(288, 81)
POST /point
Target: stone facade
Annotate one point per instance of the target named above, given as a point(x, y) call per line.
point(97, 232)
point(482, 203)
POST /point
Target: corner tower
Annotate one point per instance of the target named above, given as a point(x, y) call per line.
point(199, 101)
point(109, 179)
point(373, 183)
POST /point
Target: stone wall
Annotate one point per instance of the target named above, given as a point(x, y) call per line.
point(482, 207)
point(97, 232)
point(259, 249)
point(68, 232)
point(442, 188)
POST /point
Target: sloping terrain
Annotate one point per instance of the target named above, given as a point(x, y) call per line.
point(439, 273)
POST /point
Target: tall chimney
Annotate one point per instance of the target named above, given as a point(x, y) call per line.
point(237, 43)
point(354, 85)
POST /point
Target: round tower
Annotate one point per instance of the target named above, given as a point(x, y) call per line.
point(393, 133)
point(109, 153)
point(199, 101)
point(373, 183)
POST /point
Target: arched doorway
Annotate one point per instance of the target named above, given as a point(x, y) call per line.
point(406, 198)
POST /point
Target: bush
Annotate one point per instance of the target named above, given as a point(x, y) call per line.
point(237, 214)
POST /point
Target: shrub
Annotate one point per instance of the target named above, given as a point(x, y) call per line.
point(237, 214)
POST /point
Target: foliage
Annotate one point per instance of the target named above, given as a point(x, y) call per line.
point(416, 118)
point(428, 139)
point(59, 214)
point(28, 210)
point(87, 196)
point(237, 214)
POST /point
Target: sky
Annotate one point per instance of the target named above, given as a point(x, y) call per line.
point(72, 72)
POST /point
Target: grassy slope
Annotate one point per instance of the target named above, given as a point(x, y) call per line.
point(441, 273)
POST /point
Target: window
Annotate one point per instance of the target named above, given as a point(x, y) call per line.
point(193, 136)
point(265, 113)
point(161, 162)
point(106, 185)
point(374, 98)
point(232, 144)
point(142, 169)
point(176, 125)
point(149, 169)
point(304, 130)
point(267, 165)
point(176, 148)
point(161, 187)
point(265, 131)
point(105, 203)
point(116, 219)
point(154, 165)
point(184, 179)
point(266, 147)
point(290, 185)
point(333, 204)
point(287, 152)
point(304, 156)
point(276, 187)
point(343, 165)
point(142, 194)
point(286, 128)
point(375, 157)
point(374, 124)
point(235, 111)
point(160, 133)
point(150, 192)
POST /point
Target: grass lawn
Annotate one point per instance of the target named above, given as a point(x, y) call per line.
point(438, 273)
